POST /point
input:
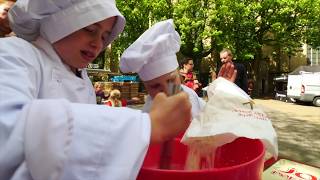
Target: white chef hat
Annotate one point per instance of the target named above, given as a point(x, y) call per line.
point(154, 53)
point(56, 19)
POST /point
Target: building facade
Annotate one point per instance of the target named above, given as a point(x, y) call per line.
point(313, 55)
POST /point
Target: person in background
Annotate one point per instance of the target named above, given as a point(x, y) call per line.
point(188, 77)
point(115, 99)
point(250, 87)
point(157, 66)
point(241, 78)
point(100, 94)
point(50, 124)
point(5, 6)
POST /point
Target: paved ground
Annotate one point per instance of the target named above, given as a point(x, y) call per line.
point(298, 129)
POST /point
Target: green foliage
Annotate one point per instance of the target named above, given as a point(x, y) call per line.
point(207, 26)
point(313, 24)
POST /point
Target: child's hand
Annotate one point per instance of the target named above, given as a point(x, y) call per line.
point(169, 116)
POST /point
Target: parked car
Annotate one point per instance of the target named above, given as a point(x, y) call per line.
point(304, 84)
point(280, 88)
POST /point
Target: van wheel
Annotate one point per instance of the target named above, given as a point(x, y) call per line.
point(316, 101)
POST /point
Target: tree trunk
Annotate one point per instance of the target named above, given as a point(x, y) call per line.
point(197, 63)
point(257, 76)
point(113, 61)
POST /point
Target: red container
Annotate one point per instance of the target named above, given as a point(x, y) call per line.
point(242, 159)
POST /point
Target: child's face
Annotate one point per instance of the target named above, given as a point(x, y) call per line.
point(81, 47)
point(161, 84)
point(189, 65)
point(4, 22)
point(99, 87)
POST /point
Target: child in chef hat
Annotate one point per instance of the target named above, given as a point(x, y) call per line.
point(50, 125)
point(153, 57)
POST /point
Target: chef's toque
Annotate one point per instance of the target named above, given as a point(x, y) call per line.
point(154, 53)
point(56, 19)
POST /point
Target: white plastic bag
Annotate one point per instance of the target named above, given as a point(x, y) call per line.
point(230, 113)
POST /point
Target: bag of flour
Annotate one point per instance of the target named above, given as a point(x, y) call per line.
point(229, 113)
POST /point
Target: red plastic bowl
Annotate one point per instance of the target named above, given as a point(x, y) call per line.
point(242, 159)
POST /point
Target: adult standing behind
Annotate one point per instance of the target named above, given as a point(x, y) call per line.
point(241, 78)
point(100, 93)
point(50, 125)
point(5, 6)
point(188, 77)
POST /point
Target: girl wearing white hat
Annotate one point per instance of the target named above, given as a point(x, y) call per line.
point(153, 57)
point(50, 126)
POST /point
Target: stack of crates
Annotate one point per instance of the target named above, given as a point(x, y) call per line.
point(124, 87)
point(108, 86)
point(128, 89)
point(134, 89)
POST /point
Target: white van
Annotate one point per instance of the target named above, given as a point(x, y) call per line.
point(304, 84)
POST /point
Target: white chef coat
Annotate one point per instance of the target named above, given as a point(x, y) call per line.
point(50, 127)
point(197, 103)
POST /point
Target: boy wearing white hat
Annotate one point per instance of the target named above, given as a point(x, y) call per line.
point(153, 57)
point(5, 5)
point(50, 125)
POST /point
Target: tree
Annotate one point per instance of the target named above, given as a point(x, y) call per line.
point(137, 19)
point(194, 20)
point(313, 24)
point(140, 15)
point(245, 26)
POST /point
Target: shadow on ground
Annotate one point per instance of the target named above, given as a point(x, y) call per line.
point(297, 139)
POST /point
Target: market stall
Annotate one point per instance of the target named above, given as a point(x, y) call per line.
point(128, 84)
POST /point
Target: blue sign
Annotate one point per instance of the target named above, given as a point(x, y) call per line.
point(124, 78)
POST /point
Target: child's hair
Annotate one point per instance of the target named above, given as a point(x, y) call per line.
point(97, 84)
point(186, 60)
point(3, 1)
point(115, 94)
point(229, 52)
